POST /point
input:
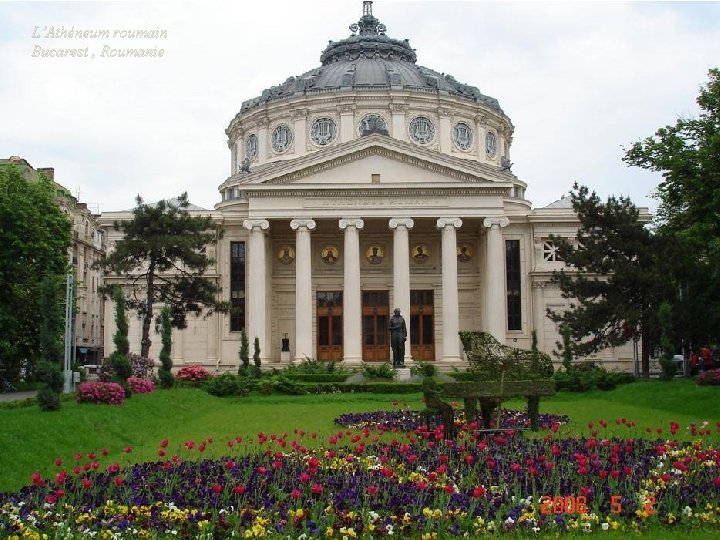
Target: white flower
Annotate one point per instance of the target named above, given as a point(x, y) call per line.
point(604, 526)
point(687, 511)
point(509, 521)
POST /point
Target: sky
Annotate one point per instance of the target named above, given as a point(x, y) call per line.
point(579, 80)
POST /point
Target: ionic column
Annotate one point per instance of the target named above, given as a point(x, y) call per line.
point(257, 269)
point(495, 305)
point(303, 288)
point(450, 307)
point(538, 288)
point(352, 319)
point(401, 272)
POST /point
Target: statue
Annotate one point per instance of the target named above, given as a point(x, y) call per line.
point(245, 165)
point(398, 336)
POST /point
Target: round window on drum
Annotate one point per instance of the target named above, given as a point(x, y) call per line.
point(462, 136)
point(282, 138)
point(422, 130)
point(323, 131)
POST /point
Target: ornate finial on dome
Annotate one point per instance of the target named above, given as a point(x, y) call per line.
point(368, 24)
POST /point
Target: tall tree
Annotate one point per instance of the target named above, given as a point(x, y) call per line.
point(163, 256)
point(614, 275)
point(688, 156)
point(34, 239)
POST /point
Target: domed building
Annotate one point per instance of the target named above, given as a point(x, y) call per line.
point(366, 184)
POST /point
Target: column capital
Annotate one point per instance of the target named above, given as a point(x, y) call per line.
point(351, 222)
point(499, 221)
point(308, 224)
point(449, 222)
point(261, 224)
point(394, 223)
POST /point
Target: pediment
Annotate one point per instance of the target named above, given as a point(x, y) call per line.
point(373, 159)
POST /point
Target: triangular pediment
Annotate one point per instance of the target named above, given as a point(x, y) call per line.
point(373, 159)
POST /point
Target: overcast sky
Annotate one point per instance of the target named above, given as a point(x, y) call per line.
point(578, 80)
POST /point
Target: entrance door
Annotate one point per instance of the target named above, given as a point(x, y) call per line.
point(422, 326)
point(376, 334)
point(330, 325)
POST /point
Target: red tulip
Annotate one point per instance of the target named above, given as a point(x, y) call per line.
point(478, 491)
point(217, 488)
point(372, 490)
point(87, 483)
point(295, 494)
point(239, 489)
point(58, 462)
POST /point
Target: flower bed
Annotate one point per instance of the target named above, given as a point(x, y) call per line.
point(141, 386)
point(100, 392)
point(362, 484)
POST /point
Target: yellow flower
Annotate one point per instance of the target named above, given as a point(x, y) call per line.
point(329, 532)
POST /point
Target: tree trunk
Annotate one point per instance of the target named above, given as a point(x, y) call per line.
point(145, 342)
point(645, 354)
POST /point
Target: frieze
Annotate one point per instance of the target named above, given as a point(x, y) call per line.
point(372, 203)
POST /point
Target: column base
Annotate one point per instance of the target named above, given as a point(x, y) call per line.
point(352, 361)
point(451, 362)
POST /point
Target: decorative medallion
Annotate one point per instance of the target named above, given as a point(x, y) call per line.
point(251, 147)
point(330, 254)
point(464, 253)
point(372, 123)
point(282, 138)
point(286, 254)
point(323, 131)
point(462, 136)
point(420, 253)
point(422, 130)
point(375, 254)
point(490, 144)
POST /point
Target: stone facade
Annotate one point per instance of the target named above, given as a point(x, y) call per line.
point(367, 184)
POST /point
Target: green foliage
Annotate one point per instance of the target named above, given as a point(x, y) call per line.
point(317, 377)
point(244, 354)
point(52, 324)
point(666, 360)
point(370, 388)
point(257, 372)
point(50, 374)
point(227, 384)
point(165, 372)
point(164, 248)
point(310, 366)
point(588, 376)
point(120, 339)
point(615, 275)
point(379, 371)
point(567, 347)
point(121, 367)
point(425, 369)
point(688, 156)
point(489, 360)
point(34, 235)
point(48, 400)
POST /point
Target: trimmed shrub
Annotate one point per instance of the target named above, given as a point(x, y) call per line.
point(50, 374)
point(109, 393)
point(227, 384)
point(317, 377)
point(193, 373)
point(167, 380)
point(371, 388)
point(48, 400)
point(381, 371)
point(709, 378)
point(141, 386)
point(121, 366)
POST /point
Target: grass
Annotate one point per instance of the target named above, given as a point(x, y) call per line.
point(31, 440)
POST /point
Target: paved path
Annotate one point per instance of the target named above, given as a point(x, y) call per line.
point(17, 396)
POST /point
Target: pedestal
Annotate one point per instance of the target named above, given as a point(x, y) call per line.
point(402, 374)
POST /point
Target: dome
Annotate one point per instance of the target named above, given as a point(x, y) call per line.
point(370, 60)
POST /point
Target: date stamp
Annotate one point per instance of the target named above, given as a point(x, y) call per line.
point(576, 505)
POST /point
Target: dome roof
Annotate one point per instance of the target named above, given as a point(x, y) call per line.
point(369, 60)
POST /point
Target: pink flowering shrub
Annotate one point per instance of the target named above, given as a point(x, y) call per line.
point(100, 392)
point(711, 377)
point(193, 373)
point(141, 386)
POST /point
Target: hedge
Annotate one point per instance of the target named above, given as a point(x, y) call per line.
point(317, 377)
point(372, 388)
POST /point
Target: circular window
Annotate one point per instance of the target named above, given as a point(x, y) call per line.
point(323, 131)
point(282, 138)
point(490, 144)
point(251, 147)
point(462, 136)
point(372, 123)
point(422, 130)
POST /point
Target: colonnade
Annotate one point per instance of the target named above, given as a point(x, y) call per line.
point(495, 315)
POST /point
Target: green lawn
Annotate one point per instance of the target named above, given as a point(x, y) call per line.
point(30, 440)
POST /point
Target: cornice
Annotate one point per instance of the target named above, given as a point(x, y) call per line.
point(356, 191)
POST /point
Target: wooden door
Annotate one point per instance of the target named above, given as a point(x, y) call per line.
point(330, 325)
point(422, 326)
point(376, 322)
